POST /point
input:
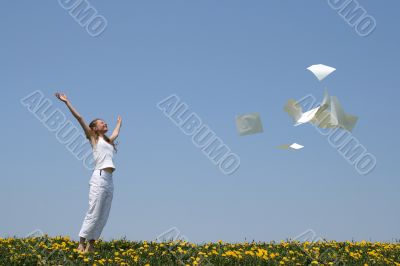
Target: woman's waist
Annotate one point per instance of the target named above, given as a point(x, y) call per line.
point(108, 169)
point(102, 174)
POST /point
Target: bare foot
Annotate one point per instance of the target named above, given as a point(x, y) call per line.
point(81, 248)
point(89, 248)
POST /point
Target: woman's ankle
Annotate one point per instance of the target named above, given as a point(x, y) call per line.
point(82, 241)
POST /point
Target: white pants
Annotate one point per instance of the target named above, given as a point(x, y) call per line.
point(101, 191)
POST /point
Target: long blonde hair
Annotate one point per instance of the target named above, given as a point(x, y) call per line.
point(92, 125)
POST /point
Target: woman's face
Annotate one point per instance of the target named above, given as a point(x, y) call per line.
point(101, 126)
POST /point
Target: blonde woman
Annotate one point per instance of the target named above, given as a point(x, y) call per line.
point(101, 187)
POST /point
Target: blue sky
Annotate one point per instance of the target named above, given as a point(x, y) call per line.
point(222, 58)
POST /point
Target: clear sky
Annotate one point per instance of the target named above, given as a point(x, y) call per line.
point(222, 58)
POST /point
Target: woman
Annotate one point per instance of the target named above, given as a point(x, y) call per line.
point(101, 185)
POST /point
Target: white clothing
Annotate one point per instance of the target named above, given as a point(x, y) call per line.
point(101, 190)
point(100, 198)
point(103, 153)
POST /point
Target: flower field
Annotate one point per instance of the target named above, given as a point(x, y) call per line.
point(59, 250)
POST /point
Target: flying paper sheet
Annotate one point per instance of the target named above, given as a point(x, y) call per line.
point(323, 120)
point(326, 100)
point(295, 111)
point(249, 124)
point(321, 71)
point(296, 146)
point(322, 116)
point(293, 146)
point(307, 116)
point(339, 117)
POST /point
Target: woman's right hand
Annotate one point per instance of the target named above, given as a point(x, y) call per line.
point(62, 97)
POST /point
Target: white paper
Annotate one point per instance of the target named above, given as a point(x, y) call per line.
point(307, 116)
point(326, 101)
point(293, 146)
point(321, 71)
point(296, 146)
point(249, 124)
point(323, 117)
point(296, 113)
point(293, 109)
point(333, 117)
point(339, 118)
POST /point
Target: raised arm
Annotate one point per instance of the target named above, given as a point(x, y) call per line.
point(115, 133)
point(88, 131)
